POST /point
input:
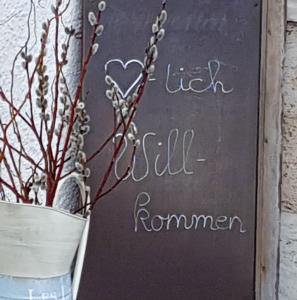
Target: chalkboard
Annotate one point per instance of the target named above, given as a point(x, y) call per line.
point(182, 226)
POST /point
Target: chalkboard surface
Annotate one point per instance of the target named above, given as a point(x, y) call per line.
point(182, 226)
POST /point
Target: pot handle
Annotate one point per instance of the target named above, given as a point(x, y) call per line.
point(85, 196)
point(80, 184)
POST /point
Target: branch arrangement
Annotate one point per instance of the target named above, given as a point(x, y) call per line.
point(62, 122)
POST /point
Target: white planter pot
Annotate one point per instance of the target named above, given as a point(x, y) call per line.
point(40, 243)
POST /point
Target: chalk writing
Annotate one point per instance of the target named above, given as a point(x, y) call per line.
point(166, 159)
point(48, 295)
point(156, 223)
point(197, 85)
point(125, 66)
point(174, 137)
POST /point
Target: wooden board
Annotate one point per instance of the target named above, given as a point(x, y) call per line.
point(182, 226)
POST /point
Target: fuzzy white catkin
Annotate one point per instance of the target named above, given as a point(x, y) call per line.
point(134, 96)
point(151, 69)
point(95, 48)
point(87, 172)
point(154, 53)
point(79, 167)
point(152, 40)
point(115, 104)
point(87, 119)
point(131, 136)
point(81, 156)
point(99, 30)
point(53, 9)
point(163, 17)
point(161, 34)
point(145, 61)
point(134, 128)
point(155, 28)
point(109, 94)
point(81, 105)
point(124, 111)
point(102, 6)
point(108, 80)
point(121, 102)
point(92, 18)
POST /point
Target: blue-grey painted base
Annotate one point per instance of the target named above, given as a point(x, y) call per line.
point(56, 288)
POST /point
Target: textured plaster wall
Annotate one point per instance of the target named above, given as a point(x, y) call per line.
point(289, 182)
point(21, 20)
point(14, 33)
point(288, 240)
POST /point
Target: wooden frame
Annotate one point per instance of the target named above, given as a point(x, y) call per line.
point(269, 166)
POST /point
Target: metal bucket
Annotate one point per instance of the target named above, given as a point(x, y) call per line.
point(56, 288)
point(38, 246)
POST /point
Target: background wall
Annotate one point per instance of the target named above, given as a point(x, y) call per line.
point(14, 32)
point(20, 23)
point(288, 244)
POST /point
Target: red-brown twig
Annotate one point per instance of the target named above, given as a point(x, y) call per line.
point(73, 111)
point(113, 187)
point(117, 148)
point(54, 158)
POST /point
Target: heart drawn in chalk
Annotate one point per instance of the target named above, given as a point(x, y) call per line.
point(125, 66)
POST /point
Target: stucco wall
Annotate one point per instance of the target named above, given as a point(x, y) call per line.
point(13, 33)
point(288, 240)
point(21, 21)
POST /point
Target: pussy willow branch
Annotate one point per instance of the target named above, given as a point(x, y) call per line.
point(109, 190)
point(31, 123)
point(73, 110)
point(24, 191)
point(15, 112)
point(116, 128)
point(117, 148)
point(32, 11)
point(25, 156)
point(12, 186)
point(36, 167)
point(59, 139)
point(56, 96)
point(54, 161)
point(105, 143)
point(13, 115)
point(21, 49)
point(133, 109)
point(14, 123)
point(10, 175)
point(14, 190)
point(12, 158)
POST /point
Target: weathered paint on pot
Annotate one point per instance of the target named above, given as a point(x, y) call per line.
point(17, 288)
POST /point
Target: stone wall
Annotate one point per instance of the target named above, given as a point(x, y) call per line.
point(288, 243)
